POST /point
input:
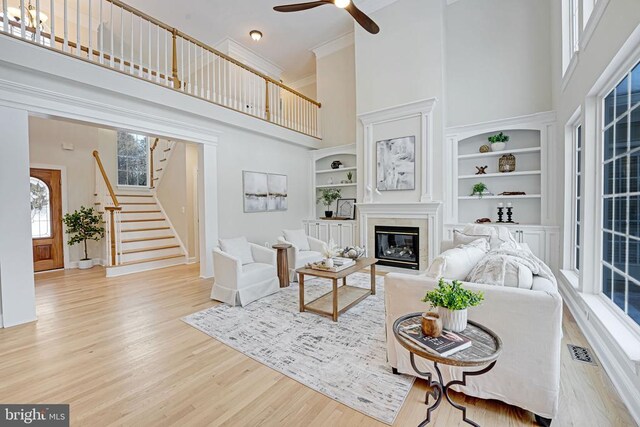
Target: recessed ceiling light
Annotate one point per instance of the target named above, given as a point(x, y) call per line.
point(342, 3)
point(255, 35)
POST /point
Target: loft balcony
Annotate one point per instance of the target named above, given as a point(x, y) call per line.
point(116, 36)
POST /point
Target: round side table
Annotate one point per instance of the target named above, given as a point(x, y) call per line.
point(485, 349)
point(283, 263)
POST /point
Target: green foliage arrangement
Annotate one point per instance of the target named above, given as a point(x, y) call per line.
point(479, 188)
point(349, 175)
point(82, 226)
point(499, 137)
point(328, 196)
point(453, 296)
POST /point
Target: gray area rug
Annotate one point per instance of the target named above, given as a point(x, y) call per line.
point(345, 361)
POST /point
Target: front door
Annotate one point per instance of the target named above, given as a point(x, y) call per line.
point(46, 219)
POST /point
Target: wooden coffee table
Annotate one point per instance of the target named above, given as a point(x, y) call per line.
point(339, 299)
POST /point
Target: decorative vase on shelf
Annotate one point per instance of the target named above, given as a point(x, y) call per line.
point(328, 214)
point(498, 146)
point(453, 320)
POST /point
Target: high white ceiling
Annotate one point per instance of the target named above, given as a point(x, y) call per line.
point(288, 37)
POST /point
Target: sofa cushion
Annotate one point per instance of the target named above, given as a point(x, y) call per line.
point(457, 263)
point(305, 257)
point(543, 284)
point(252, 274)
point(238, 248)
point(297, 238)
point(497, 236)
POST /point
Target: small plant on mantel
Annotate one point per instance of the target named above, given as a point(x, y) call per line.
point(327, 197)
point(479, 189)
point(452, 301)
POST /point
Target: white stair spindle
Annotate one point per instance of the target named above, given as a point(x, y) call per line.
point(5, 17)
point(23, 31)
point(65, 22)
point(111, 53)
point(78, 34)
point(52, 20)
point(38, 21)
point(90, 26)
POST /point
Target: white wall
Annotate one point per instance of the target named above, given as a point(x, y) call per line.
point(402, 64)
point(16, 257)
point(336, 91)
point(238, 151)
point(46, 137)
point(497, 60)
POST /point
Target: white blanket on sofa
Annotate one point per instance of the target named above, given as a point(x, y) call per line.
point(503, 267)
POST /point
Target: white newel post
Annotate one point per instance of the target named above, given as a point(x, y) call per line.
point(208, 196)
point(17, 287)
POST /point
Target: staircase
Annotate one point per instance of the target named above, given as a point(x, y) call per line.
point(140, 236)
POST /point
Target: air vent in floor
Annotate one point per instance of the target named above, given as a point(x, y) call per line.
point(581, 354)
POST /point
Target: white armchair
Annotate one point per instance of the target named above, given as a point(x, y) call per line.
point(241, 278)
point(304, 249)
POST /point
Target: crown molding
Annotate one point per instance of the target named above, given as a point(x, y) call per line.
point(305, 81)
point(245, 55)
point(334, 45)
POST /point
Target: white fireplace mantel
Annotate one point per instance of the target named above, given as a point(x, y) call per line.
point(427, 211)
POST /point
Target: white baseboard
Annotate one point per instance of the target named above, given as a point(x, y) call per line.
point(74, 264)
point(1, 322)
point(611, 356)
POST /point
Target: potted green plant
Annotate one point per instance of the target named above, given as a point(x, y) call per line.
point(479, 189)
point(327, 197)
point(81, 226)
point(498, 141)
point(350, 177)
point(452, 301)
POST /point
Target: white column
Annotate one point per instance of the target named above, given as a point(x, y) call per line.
point(208, 197)
point(17, 287)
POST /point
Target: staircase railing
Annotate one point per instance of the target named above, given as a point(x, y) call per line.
point(117, 36)
point(112, 206)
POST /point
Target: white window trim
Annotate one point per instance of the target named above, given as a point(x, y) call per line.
point(574, 195)
point(569, 185)
point(593, 19)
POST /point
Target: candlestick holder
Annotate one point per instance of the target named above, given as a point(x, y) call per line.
point(509, 214)
point(500, 213)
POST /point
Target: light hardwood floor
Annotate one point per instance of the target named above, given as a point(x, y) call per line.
point(117, 351)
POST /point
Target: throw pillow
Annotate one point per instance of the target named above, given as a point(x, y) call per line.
point(457, 263)
point(461, 238)
point(238, 248)
point(297, 238)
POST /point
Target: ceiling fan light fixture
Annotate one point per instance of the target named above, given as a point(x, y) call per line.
point(255, 35)
point(342, 3)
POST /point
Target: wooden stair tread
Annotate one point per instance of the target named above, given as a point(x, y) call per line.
point(133, 230)
point(151, 249)
point(137, 212)
point(142, 220)
point(137, 203)
point(142, 261)
point(148, 239)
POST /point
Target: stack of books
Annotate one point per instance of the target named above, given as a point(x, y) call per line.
point(339, 264)
point(445, 345)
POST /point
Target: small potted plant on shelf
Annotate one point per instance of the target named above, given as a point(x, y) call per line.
point(498, 141)
point(81, 226)
point(327, 197)
point(349, 177)
point(452, 302)
point(479, 189)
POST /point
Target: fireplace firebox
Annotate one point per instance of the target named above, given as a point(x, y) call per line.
point(398, 246)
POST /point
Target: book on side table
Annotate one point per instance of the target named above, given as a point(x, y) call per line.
point(445, 345)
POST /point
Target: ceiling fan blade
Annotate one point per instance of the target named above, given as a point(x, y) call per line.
point(301, 6)
point(362, 19)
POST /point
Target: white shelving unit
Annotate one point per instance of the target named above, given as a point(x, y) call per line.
point(532, 212)
point(323, 176)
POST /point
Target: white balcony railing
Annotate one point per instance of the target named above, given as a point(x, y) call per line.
point(117, 36)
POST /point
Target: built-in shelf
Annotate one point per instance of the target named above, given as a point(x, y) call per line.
point(336, 170)
point(353, 184)
point(525, 196)
point(499, 153)
point(500, 175)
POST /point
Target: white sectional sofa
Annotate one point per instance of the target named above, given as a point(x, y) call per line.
point(529, 322)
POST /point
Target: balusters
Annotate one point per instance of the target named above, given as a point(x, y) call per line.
point(65, 43)
point(37, 24)
point(5, 18)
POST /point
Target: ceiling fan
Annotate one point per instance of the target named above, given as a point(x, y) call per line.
point(360, 17)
